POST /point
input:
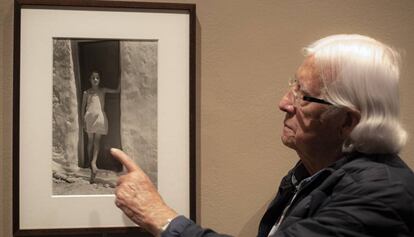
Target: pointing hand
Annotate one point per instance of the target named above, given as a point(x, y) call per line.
point(137, 197)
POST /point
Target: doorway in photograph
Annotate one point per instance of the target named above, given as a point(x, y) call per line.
point(102, 56)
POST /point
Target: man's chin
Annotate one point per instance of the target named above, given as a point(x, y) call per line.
point(288, 141)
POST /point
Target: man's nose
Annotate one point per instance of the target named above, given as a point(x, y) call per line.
point(286, 103)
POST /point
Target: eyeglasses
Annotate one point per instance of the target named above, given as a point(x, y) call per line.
point(299, 98)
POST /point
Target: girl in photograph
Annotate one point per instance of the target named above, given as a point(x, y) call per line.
point(94, 118)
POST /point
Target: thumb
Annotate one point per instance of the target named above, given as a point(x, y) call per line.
point(124, 159)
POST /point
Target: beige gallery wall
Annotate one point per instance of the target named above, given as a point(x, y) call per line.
point(246, 51)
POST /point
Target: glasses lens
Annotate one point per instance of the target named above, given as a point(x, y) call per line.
point(293, 87)
point(292, 82)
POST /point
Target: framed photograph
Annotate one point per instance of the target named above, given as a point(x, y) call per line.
point(89, 76)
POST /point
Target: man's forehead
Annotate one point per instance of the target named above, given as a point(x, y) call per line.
point(307, 68)
point(308, 76)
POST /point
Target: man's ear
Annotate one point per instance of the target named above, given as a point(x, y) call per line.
point(352, 118)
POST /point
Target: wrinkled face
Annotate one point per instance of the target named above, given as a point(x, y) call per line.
point(95, 79)
point(310, 127)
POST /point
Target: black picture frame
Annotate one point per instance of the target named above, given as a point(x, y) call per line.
point(93, 6)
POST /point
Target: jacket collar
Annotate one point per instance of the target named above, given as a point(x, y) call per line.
point(299, 172)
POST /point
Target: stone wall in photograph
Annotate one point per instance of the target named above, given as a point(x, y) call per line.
point(65, 108)
point(139, 103)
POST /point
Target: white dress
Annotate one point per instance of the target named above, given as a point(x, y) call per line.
point(95, 117)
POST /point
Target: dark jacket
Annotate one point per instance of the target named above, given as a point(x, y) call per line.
point(359, 195)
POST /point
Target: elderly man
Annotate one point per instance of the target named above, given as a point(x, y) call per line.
point(342, 120)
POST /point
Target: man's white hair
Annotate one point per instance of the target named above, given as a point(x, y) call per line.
point(361, 73)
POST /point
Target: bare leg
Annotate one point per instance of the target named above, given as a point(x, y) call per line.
point(90, 145)
point(96, 147)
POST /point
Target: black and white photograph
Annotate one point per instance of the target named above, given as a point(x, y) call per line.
point(104, 96)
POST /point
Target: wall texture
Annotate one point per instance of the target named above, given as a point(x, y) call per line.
point(246, 51)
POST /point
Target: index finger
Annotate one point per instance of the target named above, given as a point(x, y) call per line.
point(124, 159)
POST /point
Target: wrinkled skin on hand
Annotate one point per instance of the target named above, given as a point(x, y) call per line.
point(137, 197)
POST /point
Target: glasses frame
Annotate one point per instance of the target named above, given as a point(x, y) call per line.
point(297, 94)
